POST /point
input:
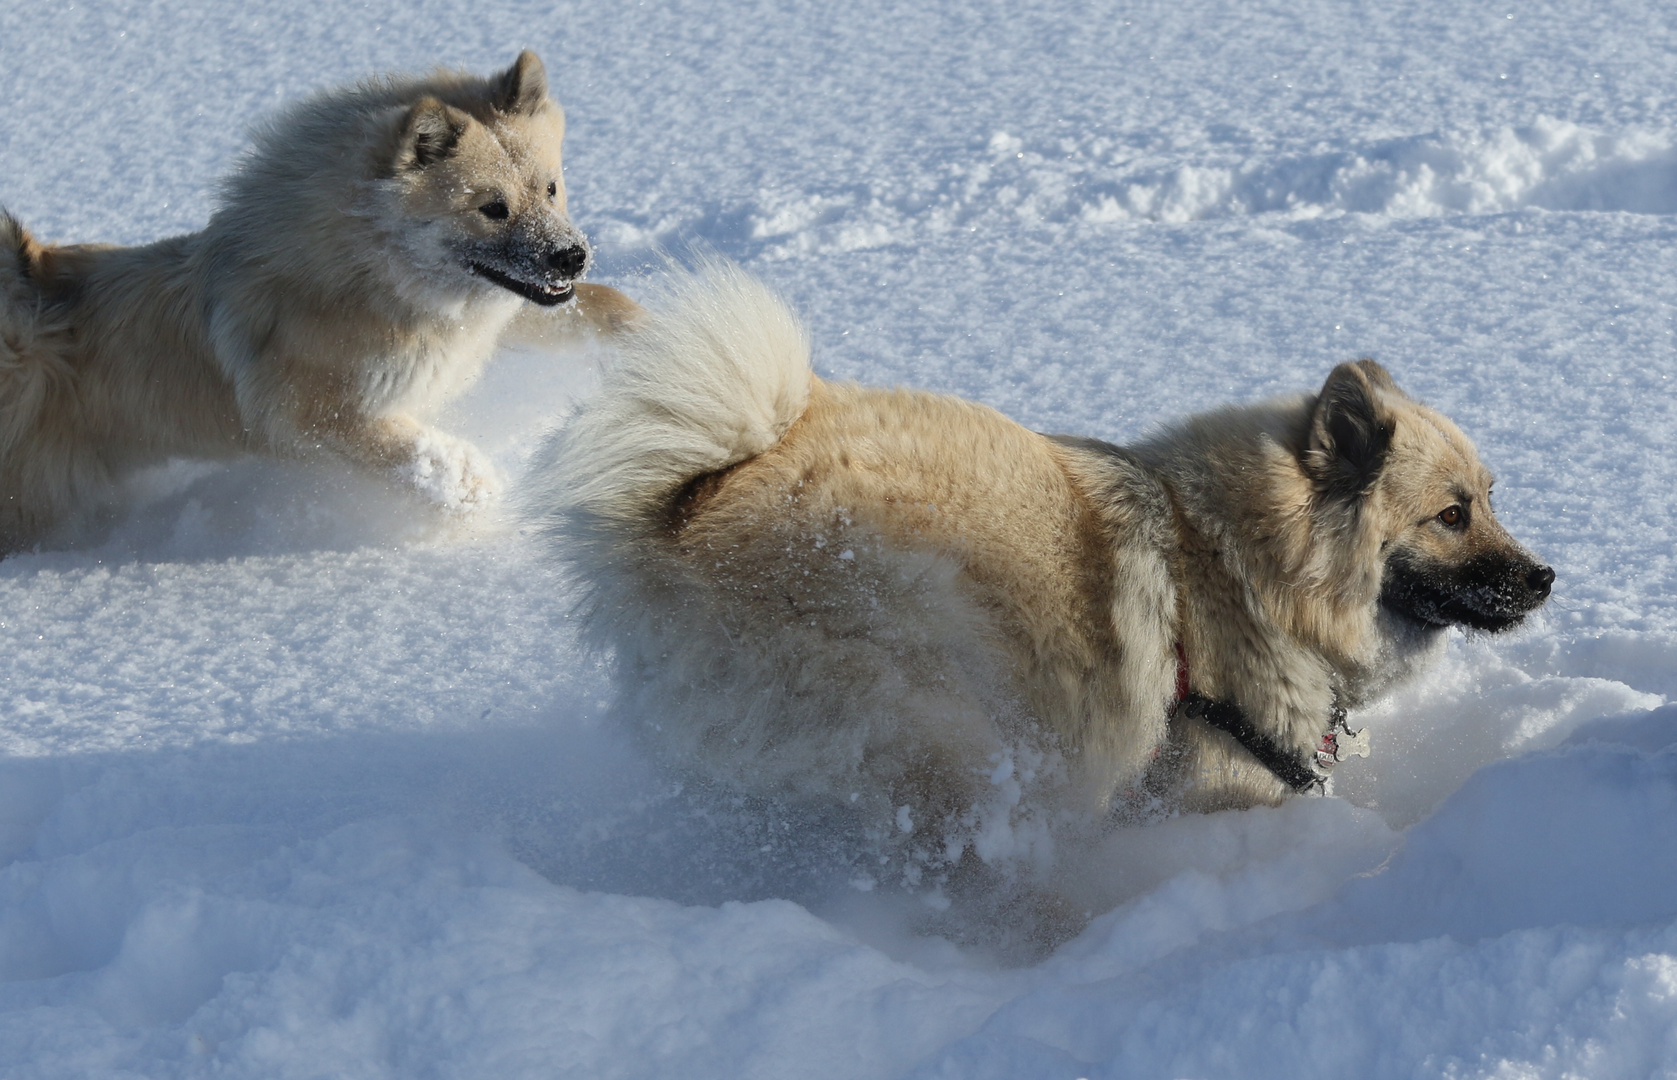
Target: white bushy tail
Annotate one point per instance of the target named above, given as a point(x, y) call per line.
point(713, 376)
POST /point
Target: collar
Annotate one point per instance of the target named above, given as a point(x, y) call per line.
point(1301, 773)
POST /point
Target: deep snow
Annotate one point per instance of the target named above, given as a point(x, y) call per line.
point(299, 781)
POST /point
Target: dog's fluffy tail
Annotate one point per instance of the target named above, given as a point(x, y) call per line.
point(711, 377)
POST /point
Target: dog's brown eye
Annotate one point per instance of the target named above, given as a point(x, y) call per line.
point(1451, 516)
point(494, 211)
point(552, 188)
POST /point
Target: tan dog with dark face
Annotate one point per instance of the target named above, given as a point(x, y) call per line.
point(374, 247)
point(1327, 543)
point(909, 605)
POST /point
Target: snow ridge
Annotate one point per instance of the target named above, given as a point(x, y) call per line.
point(1012, 182)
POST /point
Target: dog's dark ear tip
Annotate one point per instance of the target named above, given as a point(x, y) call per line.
point(1350, 430)
point(1376, 373)
point(12, 233)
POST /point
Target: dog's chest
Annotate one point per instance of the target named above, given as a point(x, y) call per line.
point(432, 362)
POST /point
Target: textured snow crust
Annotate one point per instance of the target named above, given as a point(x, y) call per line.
point(302, 777)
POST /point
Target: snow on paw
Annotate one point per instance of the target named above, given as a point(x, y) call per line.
point(453, 474)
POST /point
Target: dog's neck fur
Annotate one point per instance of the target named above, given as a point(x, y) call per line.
point(1238, 483)
point(1269, 553)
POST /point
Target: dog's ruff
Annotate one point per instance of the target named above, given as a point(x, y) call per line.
point(891, 599)
point(365, 259)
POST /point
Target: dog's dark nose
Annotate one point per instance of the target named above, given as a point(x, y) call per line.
point(1539, 580)
point(569, 261)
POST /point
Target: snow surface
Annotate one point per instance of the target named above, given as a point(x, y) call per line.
point(301, 780)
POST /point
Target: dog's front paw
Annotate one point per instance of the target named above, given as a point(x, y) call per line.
point(453, 474)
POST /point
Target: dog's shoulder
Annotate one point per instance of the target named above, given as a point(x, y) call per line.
point(1117, 482)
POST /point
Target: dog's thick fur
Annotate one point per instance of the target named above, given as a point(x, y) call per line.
point(907, 602)
point(365, 259)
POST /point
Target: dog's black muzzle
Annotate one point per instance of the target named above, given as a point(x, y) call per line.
point(1487, 592)
point(541, 270)
point(569, 262)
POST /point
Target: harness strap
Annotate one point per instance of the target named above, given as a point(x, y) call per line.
point(1226, 716)
point(1300, 774)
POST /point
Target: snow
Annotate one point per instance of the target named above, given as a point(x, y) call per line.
point(302, 778)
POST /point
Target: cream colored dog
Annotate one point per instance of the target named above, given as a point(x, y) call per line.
point(909, 605)
point(365, 260)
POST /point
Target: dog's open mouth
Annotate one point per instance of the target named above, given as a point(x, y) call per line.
point(547, 295)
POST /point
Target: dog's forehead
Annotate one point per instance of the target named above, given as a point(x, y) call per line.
point(478, 163)
point(1437, 448)
point(491, 156)
point(532, 143)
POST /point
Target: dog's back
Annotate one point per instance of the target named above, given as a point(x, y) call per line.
point(826, 589)
point(102, 361)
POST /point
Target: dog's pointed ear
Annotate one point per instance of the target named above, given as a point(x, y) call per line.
point(21, 248)
point(32, 262)
point(520, 89)
point(428, 133)
point(1351, 430)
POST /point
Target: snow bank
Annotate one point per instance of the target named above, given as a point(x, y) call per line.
point(243, 912)
point(1015, 182)
point(388, 948)
point(1508, 937)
